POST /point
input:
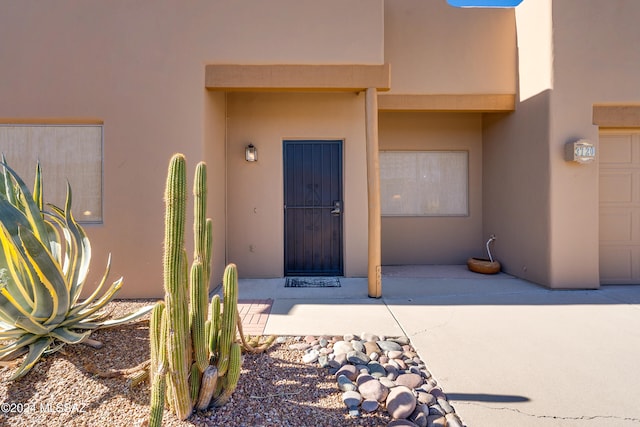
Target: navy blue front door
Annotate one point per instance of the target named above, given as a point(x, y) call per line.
point(313, 208)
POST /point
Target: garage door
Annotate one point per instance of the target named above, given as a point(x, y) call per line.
point(620, 207)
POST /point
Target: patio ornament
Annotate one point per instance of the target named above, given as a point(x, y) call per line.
point(484, 265)
point(195, 361)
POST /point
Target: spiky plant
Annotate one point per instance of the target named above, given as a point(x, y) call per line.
point(44, 263)
point(197, 364)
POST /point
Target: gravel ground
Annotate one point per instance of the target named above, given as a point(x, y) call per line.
point(275, 388)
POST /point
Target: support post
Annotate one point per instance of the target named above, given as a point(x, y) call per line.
point(373, 191)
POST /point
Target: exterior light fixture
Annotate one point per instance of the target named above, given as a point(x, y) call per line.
point(251, 153)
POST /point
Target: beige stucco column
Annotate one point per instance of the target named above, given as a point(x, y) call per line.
point(373, 191)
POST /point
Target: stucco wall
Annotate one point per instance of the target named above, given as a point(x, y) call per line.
point(139, 67)
point(255, 199)
point(516, 179)
point(434, 48)
point(434, 240)
point(596, 61)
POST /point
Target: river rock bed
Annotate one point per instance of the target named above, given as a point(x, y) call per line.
point(378, 373)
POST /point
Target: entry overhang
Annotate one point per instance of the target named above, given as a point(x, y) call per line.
point(616, 115)
point(473, 103)
point(294, 77)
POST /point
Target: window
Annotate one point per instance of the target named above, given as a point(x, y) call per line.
point(70, 153)
point(424, 183)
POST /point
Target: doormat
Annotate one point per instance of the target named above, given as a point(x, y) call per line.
point(312, 282)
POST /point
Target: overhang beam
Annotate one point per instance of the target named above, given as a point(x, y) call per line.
point(347, 78)
point(472, 103)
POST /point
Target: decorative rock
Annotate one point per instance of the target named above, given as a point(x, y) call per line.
point(342, 347)
point(299, 346)
point(376, 370)
point(310, 357)
point(323, 361)
point(403, 340)
point(401, 423)
point(392, 371)
point(373, 389)
point(419, 417)
point(363, 378)
point(383, 359)
point(371, 347)
point(425, 373)
point(348, 371)
point(357, 345)
point(437, 393)
point(369, 405)
point(351, 398)
point(389, 346)
point(340, 358)
point(345, 384)
point(436, 410)
point(390, 384)
point(323, 342)
point(310, 339)
point(400, 363)
point(436, 421)
point(444, 404)
point(410, 380)
point(400, 402)
point(394, 354)
point(349, 337)
point(453, 420)
point(426, 398)
point(374, 356)
point(357, 357)
point(368, 337)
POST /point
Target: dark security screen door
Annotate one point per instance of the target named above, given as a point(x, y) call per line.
point(313, 208)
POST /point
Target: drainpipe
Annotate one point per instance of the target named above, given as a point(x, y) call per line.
point(374, 273)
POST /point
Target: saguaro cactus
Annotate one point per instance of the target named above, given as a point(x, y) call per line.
point(194, 359)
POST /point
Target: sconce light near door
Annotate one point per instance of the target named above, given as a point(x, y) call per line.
point(251, 153)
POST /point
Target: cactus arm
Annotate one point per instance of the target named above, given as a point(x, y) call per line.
point(158, 368)
point(233, 375)
point(207, 388)
point(174, 284)
point(198, 316)
point(229, 315)
point(214, 332)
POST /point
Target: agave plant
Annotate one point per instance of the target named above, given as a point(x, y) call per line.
point(44, 263)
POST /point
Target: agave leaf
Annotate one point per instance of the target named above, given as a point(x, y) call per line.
point(31, 211)
point(122, 320)
point(89, 300)
point(49, 274)
point(81, 257)
point(13, 272)
point(36, 350)
point(6, 178)
point(19, 343)
point(11, 333)
point(104, 299)
point(68, 336)
point(31, 326)
point(37, 188)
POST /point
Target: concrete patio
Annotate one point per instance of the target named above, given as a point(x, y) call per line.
point(505, 351)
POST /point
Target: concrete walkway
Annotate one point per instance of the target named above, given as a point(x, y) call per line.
point(506, 352)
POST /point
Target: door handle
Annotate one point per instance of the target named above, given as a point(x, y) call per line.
point(337, 210)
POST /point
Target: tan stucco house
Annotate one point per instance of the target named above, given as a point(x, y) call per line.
point(387, 131)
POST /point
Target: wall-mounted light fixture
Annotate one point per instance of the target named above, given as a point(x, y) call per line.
point(251, 153)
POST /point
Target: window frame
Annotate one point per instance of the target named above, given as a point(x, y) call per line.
point(464, 212)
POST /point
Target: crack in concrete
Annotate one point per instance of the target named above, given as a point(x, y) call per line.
point(555, 417)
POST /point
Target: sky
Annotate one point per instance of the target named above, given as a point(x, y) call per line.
point(484, 3)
